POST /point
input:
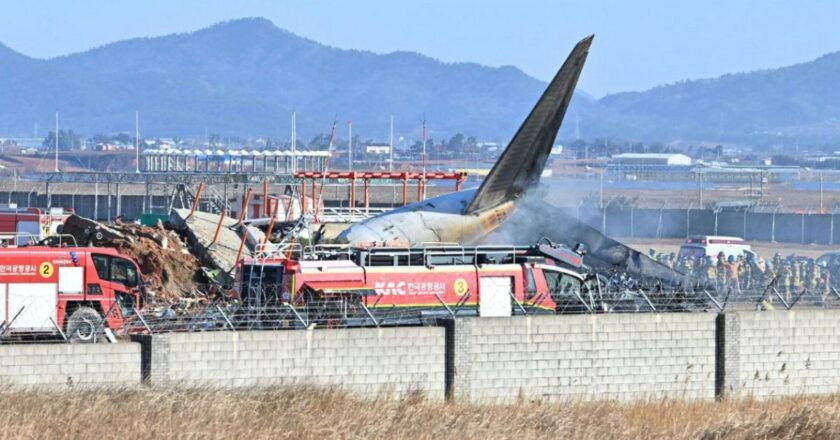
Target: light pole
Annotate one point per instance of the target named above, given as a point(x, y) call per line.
point(391, 145)
point(350, 145)
point(29, 197)
point(423, 185)
point(137, 141)
point(56, 142)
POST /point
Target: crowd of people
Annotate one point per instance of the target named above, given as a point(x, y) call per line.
point(789, 275)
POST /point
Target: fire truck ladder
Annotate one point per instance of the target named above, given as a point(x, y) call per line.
point(272, 251)
point(290, 246)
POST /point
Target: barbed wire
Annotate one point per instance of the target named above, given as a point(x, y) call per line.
point(266, 309)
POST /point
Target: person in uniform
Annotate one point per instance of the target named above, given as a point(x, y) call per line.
point(795, 278)
point(769, 281)
point(785, 278)
point(744, 269)
point(731, 269)
point(720, 277)
point(710, 272)
point(688, 266)
point(812, 280)
point(825, 281)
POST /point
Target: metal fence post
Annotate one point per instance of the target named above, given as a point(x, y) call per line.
point(802, 229)
point(142, 320)
point(659, 224)
point(63, 336)
point(227, 321)
point(688, 220)
point(745, 224)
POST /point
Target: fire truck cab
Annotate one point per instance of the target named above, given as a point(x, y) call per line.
point(484, 281)
point(77, 291)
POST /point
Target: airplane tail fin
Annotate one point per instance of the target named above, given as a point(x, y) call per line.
point(521, 164)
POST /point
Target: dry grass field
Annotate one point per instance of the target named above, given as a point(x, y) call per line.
point(307, 413)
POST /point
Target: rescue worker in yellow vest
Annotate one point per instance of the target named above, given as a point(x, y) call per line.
point(785, 277)
point(721, 270)
point(795, 279)
point(710, 272)
point(744, 271)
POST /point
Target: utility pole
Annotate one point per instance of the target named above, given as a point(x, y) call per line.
point(821, 192)
point(601, 194)
point(391, 146)
point(294, 142)
point(350, 145)
point(700, 183)
point(137, 141)
point(423, 196)
point(56, 142)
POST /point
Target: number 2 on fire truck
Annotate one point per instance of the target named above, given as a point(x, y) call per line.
point(45, 269)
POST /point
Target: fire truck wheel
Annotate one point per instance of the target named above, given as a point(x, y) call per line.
point(81, 326)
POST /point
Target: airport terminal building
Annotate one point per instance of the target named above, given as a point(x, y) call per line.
point(679, 168)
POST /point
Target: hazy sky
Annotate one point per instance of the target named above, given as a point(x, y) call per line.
point(639, 44)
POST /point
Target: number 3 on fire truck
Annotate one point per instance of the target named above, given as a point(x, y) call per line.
point(45, 269)
point(461, 287)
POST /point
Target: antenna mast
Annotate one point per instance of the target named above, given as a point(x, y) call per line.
point(294, 142)
point(423, 196)
point(391, 146)
point(350, 145)
point(137, 141)
point(56, 142)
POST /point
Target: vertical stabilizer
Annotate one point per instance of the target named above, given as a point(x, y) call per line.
point(521, 164)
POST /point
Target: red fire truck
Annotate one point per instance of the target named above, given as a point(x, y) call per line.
point(77, 291)
point(342, 282)
point(20, 226)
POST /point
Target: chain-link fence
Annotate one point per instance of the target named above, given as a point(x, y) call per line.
point(776, 225)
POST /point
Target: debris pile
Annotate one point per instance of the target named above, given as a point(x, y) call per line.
point(218, 246)
point(170, 270)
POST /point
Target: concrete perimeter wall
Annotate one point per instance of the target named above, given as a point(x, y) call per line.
point(367, 361)
point(58, 366)
point(632, 356)
point(776, 354)
point(593, 357)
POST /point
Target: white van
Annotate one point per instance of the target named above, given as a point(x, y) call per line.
point(699, 246)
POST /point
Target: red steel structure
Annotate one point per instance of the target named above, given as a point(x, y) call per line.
point(366, 176)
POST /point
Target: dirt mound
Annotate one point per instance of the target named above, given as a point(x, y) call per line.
point(170, 271)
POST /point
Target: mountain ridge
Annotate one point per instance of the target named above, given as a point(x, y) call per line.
point(244, 77)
